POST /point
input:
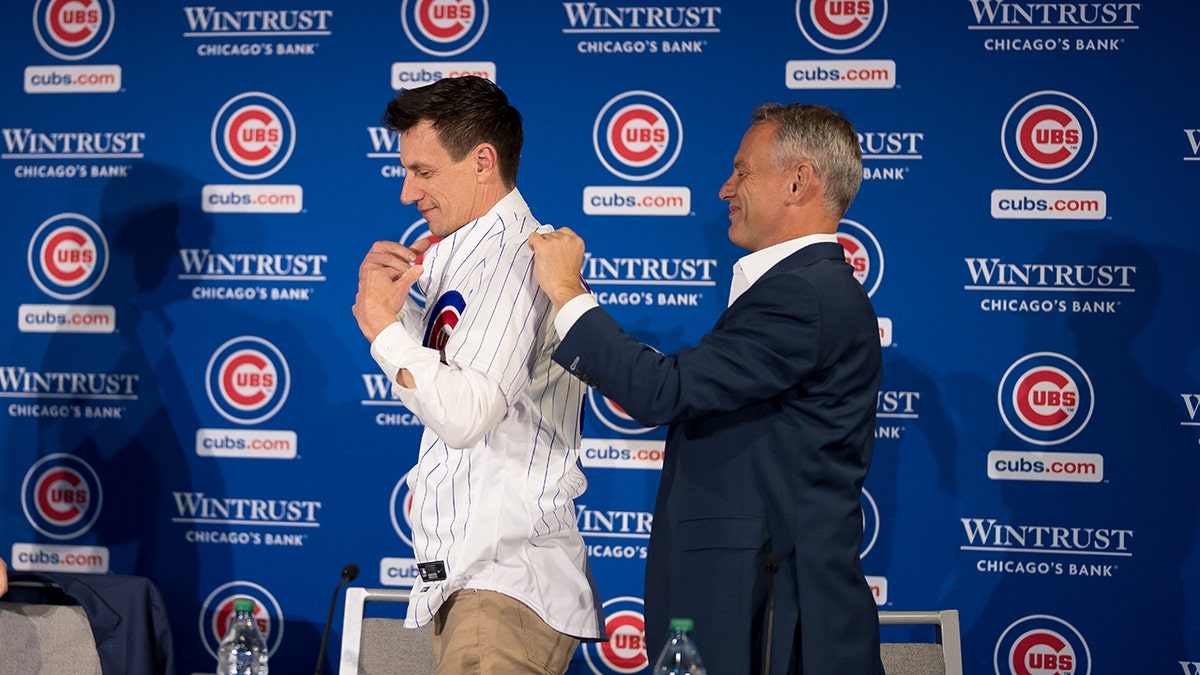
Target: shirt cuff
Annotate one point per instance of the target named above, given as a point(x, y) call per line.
point(393, 349)
point(570, 313)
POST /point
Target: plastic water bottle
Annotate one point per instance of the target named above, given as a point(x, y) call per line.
point(679, 656)
point(243, 649)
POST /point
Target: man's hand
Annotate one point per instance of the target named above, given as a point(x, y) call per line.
point(557, 260)
point(385, 276)
point(394, 256)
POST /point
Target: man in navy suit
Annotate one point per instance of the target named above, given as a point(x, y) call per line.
point(772, 415)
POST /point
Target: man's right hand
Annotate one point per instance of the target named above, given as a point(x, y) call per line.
point(557, 261)
point(393, 256)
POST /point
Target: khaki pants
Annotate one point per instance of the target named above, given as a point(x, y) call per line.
point(487, 633)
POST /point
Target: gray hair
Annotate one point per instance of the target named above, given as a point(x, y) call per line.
point(822, 137)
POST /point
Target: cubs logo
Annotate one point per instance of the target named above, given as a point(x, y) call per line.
point(863, 253)
point(61, 496)
point(416, 232)
point(625, 650)
point(401, 509)
point(637, 135)
point(1041, 644)
point(444, 27)
point(253, 135)
point(1049, 137)
point(614, 416)
point(442, 319)
point(870, 514)
point(73, 29)
point(1045, 398)
point(247, 380)
point(68, 256)
point(841, 26)
point(217, 613)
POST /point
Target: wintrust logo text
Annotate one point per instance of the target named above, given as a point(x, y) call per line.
point(1003, 14)
point(256, 32)
point(608, 528)
point(1040, 288)
point(1053, 26)
point(278, 270)
point(634, 30)
point(62, 154)
point(1046, 550)
point(1193, 137)
point(1192, 404)
point(887, 151)
point(989, 534)
point(649, 281)
point(892, 408)
point(197, 507)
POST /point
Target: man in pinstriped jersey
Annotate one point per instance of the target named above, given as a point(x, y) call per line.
point(504, 571)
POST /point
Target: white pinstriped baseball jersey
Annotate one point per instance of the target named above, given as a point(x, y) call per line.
point(501, 514)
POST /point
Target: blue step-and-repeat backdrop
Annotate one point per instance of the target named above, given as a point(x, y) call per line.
point(188, 190)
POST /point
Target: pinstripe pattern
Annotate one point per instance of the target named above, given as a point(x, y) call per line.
point(501, 515)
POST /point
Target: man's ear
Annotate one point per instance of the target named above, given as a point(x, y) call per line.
point(803, 182)
point(486, 159)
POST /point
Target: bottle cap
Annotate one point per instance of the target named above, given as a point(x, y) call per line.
point(243, 605)
point(681, 623)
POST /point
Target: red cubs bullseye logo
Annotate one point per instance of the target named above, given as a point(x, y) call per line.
point(842, 18)
point(225, 613)
point(614, 416)
point(637, 135)
point(444, 27)
point(1049, 137)
point(841, 26)
point(68, 256)
point(247, 380)
point(870, 517)
point(863, 253)
point(61, 496)
point(401, 508)
point(625, 651)
point(1042, 645)
point(73, 29)
point(1045, 398)
point(1042, 652)
point(217, 614)
point(253, 135)
point(443, 319)
point(416, 232)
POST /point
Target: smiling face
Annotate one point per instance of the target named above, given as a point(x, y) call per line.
point(757, 191)
point(448, 193)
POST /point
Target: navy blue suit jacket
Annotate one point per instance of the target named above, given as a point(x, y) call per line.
point(772, 422)
point(128, 618)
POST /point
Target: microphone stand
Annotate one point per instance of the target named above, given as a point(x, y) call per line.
point(772, 566)
point(349, 573)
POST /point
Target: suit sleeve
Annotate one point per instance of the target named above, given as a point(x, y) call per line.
point(763, 345)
